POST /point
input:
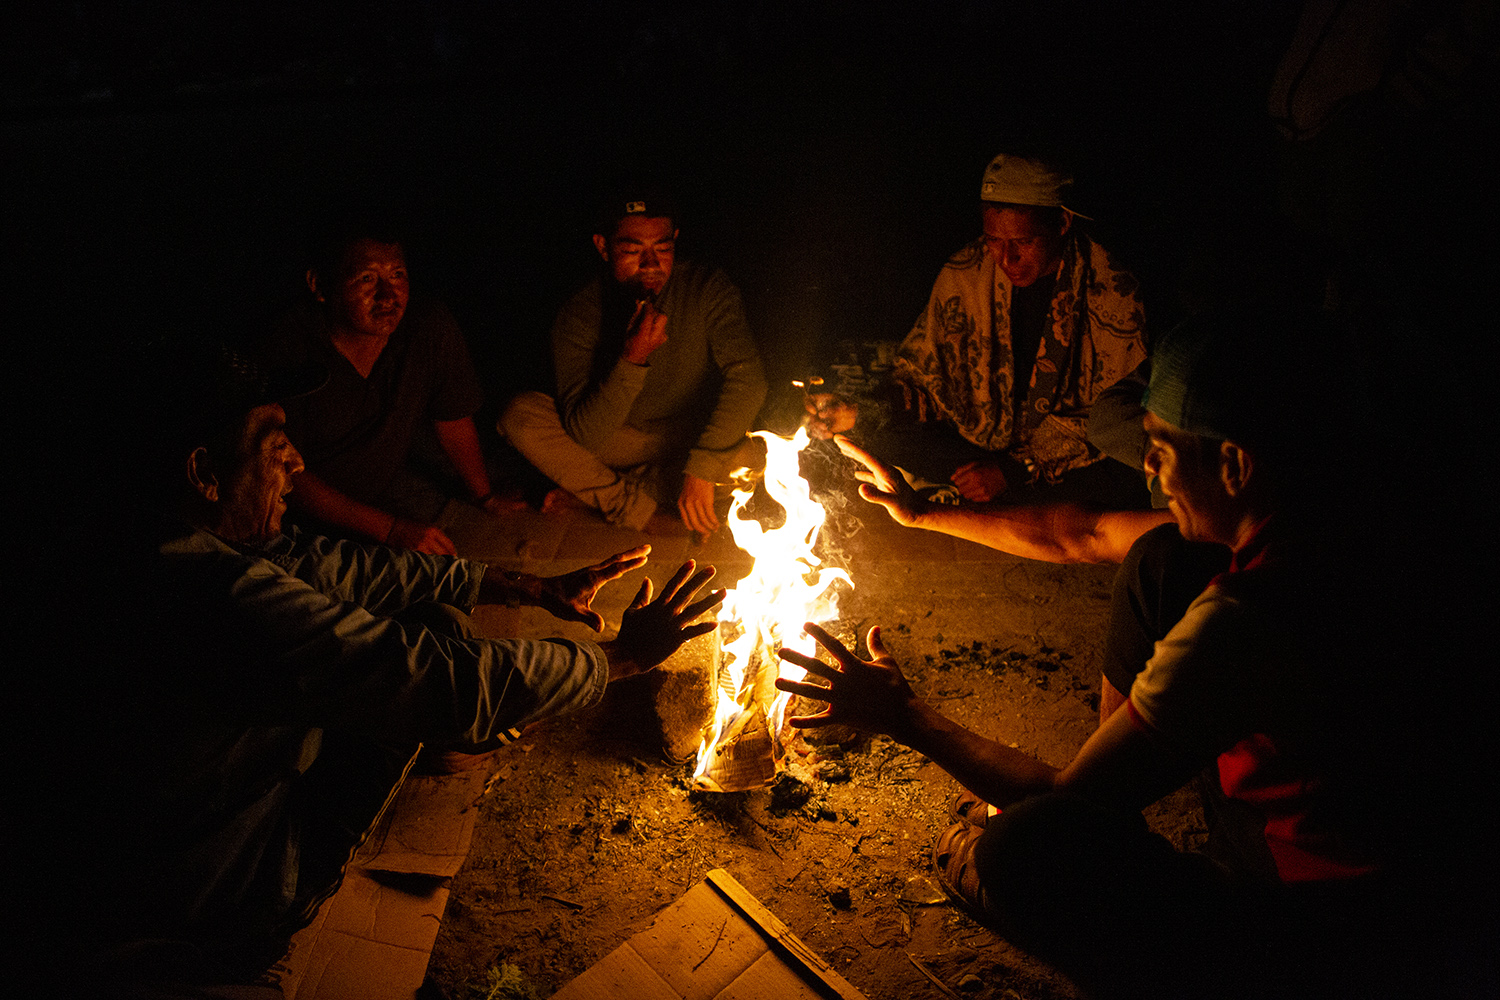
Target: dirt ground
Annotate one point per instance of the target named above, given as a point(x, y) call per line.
point(588, 832)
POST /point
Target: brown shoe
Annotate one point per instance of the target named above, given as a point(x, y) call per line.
point(953, 855)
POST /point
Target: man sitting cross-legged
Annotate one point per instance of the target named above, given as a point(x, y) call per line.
point(658, 379)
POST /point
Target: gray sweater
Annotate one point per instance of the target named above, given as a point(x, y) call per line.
point(708, 374)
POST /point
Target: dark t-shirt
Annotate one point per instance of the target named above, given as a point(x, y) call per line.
point(1030, 314)
point(356, 433)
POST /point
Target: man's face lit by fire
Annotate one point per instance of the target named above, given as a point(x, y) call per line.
point(369, 293)
point(1026, 245)
point(1190, 474)
point(252, 493)
point(640, 252)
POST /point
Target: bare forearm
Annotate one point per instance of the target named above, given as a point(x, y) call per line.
point(1056, 533)
point(997, 773)
point(460, 441)
point(324, 502)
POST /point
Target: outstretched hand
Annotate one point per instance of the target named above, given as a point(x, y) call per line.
point(882, 484)
point(871, 695)
point(570, 595)
point(651, 631)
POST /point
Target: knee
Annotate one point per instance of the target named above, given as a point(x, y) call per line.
point(524, 414)
point(1146, 563)
point(1047, 857)
point(1092, 890)
point(1030, 839)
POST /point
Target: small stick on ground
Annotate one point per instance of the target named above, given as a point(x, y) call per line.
point(924, 970)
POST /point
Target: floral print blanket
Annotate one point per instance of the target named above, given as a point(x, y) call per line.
point(959, 357)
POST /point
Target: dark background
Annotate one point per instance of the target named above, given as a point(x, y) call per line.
point(163, 162)
point(170, 155)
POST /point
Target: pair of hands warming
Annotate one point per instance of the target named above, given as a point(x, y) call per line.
point(872, 695)
point(650, 630)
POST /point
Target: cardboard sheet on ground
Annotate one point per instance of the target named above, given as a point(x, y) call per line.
point(371, 940)
point(716, 942)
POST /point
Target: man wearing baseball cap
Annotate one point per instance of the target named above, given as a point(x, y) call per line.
point(1024, 328)
point(658, 378)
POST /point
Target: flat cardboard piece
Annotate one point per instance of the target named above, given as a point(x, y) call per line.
point(372, 939)
point(427, 830)
point(716, 942)
point(369, 942)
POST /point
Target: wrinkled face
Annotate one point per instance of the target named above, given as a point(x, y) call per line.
point(640, 252)
point(1192, 482)
point(369, 294)
point(1024, 244)
point(252, 494)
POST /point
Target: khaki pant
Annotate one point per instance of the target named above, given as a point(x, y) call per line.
point(619, 480)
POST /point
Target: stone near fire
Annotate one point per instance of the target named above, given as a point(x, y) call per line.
point(682, 698)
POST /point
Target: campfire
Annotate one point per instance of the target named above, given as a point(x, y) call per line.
point(786, 586)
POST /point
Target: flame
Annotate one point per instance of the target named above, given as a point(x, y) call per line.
point(787, 586)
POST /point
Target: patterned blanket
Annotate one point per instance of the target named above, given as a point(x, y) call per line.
point(958, 357)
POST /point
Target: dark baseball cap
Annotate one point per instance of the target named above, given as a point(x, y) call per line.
point(1253, 371)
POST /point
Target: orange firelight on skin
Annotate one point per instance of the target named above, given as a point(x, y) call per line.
point(786, 586)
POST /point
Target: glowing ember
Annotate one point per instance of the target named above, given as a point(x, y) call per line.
point(786, 587)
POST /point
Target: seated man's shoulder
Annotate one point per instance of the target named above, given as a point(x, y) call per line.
point(702, 279)
point(585, 297)
point(1109, 265)
point(429, 319)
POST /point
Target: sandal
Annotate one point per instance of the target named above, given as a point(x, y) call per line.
point(953, 854)
point(966, 807)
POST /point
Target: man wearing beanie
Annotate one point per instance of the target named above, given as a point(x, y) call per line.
point(657, 378)
point(1024, 328)
point(1304, 686)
